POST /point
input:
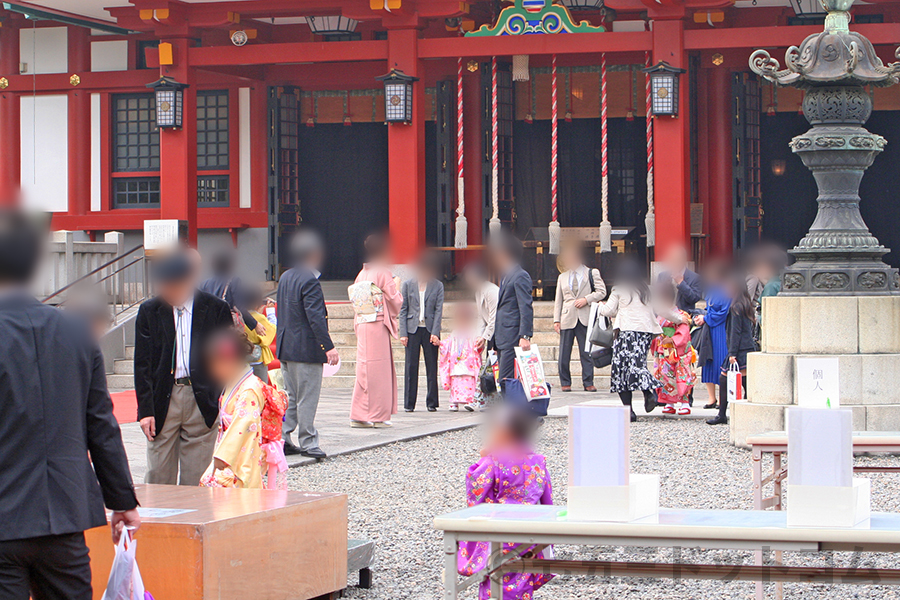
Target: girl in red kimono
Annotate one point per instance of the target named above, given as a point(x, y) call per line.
point(674, 356)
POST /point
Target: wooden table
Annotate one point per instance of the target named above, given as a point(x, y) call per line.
point(201, 544)
point(776, 444)
point(731, 529)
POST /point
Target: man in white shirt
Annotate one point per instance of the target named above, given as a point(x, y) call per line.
point(177, 402)
point(486, 293)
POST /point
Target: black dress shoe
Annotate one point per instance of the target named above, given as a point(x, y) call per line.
point(651, 401)
point(290, 449)
point(717, 420)
point(711, 405)
point(633, 417)
point(314, 453)
point(432, 409)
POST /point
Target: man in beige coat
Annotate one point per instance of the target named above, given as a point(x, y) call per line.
point(576, 289)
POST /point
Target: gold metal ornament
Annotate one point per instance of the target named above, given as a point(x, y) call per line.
point(717, 59)
point(74, 80)
point(472, 66)
point(4, 83)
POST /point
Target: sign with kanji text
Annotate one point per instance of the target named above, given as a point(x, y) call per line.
point(818, 382)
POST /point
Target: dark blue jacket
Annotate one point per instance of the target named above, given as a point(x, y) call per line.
point(55, 411)
point(690, 290)
point(302, 318)
point(515, 314)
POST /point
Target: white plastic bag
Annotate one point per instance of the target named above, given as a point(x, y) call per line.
point(125, 581)
point(735, 383)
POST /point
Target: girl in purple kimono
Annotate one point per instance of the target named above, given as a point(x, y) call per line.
point(509, 472)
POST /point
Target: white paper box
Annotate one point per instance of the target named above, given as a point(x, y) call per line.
point(828, 506)
point(615, 503)
point(820, 447)
point(599, 443)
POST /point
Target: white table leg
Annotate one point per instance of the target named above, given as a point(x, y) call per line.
point(497, 579)
point(450, 549)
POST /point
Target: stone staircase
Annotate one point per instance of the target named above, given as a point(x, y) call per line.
point(340, 322)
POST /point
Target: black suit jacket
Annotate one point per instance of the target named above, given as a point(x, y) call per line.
point(54, 410)
point(231, 290)
point(154, 344)
point(690, 290)
point(302, 318)
point(515, 314)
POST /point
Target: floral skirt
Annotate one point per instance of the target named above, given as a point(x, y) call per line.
point(629, 363)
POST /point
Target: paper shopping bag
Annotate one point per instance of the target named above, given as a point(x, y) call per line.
point(530, 371)
point(735, 383)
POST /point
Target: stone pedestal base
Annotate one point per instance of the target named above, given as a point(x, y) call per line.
point(863, 333)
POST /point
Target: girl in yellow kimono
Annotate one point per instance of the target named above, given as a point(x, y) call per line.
point(238, 458)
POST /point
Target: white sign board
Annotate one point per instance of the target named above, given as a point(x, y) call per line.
point(599, 443)
point(818, 382)
point(820, 446)
point(163, 234)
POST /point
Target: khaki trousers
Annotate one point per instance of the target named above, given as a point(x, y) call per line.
point(184, 441)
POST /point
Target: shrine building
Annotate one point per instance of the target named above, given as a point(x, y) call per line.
point(248, 118)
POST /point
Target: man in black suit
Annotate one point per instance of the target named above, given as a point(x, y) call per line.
point(514, 323)
point(227, 286)
point(56, 420)
point(688, 283)
point(177, 402)
point(303, 343)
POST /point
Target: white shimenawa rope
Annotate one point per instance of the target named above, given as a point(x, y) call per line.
point(494, 225)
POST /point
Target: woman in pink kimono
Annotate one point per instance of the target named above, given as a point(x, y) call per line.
point(376, 304)
point(460, 360)
point(509, 472)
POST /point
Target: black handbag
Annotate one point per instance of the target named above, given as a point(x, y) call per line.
point(601, 357)
point(602, 336)
point(488, 383)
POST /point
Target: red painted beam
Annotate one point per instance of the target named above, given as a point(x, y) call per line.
point(778, 37)
point(295, 52)
point(575, 43)
point(133, 220)
point(110, 81)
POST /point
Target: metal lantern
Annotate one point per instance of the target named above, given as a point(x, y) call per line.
point(583, 4)
point(169, 102)
point(808, 9)
point(664, 87)
point(332, 24)
point(398, 90)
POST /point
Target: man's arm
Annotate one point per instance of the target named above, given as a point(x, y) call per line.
point(599, 292)
point(404, 310)
point(104, 441)
point(145, 365)
point(316, 313)
point(558, 300)
point(491, 297)
point(691, 290)
point(523, 286)
point(438, 311)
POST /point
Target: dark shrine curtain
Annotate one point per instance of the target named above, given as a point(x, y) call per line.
point(579, 177)
point(344, 189)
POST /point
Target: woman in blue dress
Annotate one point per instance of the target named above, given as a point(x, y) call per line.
point(714, 348)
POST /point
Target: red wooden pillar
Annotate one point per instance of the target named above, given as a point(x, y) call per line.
point(474, 157)
point(79, 124)
point(721, 224)
point(178, 149)
point(406, 154)
point(259, 149)
point(10, 156)
point(671, 147)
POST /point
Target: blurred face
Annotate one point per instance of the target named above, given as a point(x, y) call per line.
point(473, 281)
point(176, 293)
point(223, 369)
point(676, 260)
point(316, 260)
point(499, 259)
point(571, 258)
point(464, 319)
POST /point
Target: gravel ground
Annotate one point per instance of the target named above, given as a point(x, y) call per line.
point(395, 491)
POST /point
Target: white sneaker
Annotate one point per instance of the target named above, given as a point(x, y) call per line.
point(361, 424)
point(454, 408)
point(382, 424)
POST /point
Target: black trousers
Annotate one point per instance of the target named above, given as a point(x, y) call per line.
point(566, 339)
point(420, 339)
point(506, 359)
point(54, 567)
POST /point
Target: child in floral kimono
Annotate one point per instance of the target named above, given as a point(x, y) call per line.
point(674, 357)
point(460, 361)
point(509, 472)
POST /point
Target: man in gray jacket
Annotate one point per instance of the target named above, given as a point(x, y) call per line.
point(420, 327)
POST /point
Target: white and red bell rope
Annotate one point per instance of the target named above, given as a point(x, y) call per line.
point(650, 219)
point(554, 229)
point(494, 225)
point(461, 239)
point(605, 226)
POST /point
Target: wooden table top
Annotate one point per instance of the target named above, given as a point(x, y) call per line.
point(187, 505)
point(860, 438)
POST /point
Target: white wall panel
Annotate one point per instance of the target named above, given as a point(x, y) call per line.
point(244, 140)
point(95, 152)
point(44, 50)
point(45, 152)
point(109, 56)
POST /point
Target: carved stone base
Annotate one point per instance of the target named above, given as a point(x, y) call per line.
point(823, 279)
